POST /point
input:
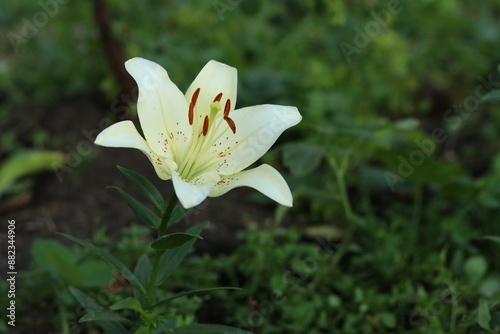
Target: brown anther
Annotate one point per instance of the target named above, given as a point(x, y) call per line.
point(191, 113)
point(205, 126)
point(227, 107)
point(194, 98)
point(218, 97)
point(231, 124)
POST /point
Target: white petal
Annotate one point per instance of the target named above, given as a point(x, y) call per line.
point(162, 108)
point(214, 78)
point(124, 134)
point(257, 129)
point(193, 192)
point(264, 178)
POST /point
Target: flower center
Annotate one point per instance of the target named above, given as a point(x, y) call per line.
point(199, 157)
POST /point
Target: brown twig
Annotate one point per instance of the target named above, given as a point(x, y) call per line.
point(112, 48)
point(251, 313)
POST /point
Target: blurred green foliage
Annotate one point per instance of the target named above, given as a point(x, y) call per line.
point(23, 164)
point(379, 99)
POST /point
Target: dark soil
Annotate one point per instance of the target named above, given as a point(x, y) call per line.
point(75, 200)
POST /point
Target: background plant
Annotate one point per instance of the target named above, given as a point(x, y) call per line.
point(412, 244)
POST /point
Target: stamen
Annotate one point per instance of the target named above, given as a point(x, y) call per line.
point(227, 107)
point(191, 113)
point(205, 126)
point(230, 122)
point(195, 96)
point(218, 97)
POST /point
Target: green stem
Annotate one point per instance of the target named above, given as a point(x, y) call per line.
point(339, 173)
point(454, 314)
point(416, 218)
point(152, 280)
point(62, 312)
point(345, 198)
point(166, 216)
point(417, 205)
point(148, 298)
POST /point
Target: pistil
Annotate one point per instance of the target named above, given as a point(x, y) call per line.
point(198, 156)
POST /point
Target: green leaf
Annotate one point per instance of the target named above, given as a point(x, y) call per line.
point(142, 212)
point(194, 292)
point(173, 257)
point(142, 271)
point(388, 319)
point(491, 96)
point(406, 124)
point(173, 240)
point(429, 169)
point(475, 267)
point(144, 329)
point(59, 260)
point(166, 325)
point(483, 315)
point(94, 273)
point(128, 303)
point(27, 163)
point(147, 189)
point(493, 238)
point(302, 158)
point(149, 318)
point(208, 329)
point(117, 264)
point(90, 305)
point(104, 316)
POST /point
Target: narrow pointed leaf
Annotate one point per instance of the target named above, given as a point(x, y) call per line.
point(493, 238)
point(142, 271)
point(117, 264)
point(128, 303)
point(90, 305)
point(491, 96)
point(147, 216)
point(104, 316)
point(173, 240)
point(147, 188)
point(208, 329)
point(194, 292)
point(173, 257)
point(27, 163)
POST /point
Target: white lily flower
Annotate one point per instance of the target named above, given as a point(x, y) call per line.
point(198, 140)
